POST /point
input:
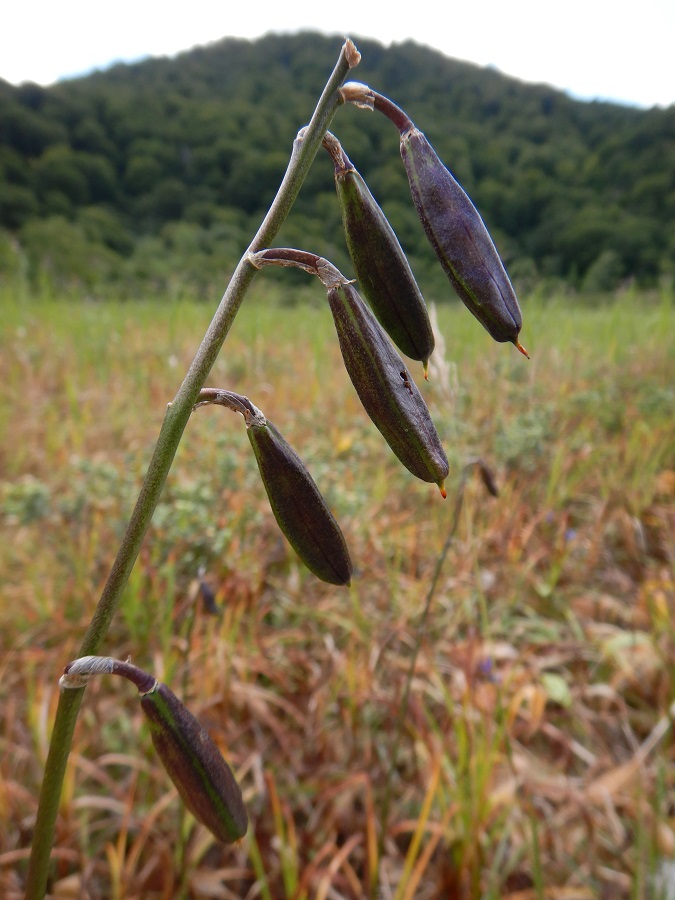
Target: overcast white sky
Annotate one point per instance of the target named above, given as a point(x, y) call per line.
point(591, 48)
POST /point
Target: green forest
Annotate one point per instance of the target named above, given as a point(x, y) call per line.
point(154, 176)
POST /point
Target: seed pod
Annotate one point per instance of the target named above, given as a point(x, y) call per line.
point(187, 751)
point(195, 764)
point(452, 224)
point(385, 387)
point(300, 510)
point(379, 262)
point(488, 478)
point(461, 240)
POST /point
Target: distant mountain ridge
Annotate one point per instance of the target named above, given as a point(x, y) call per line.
point(168, 164)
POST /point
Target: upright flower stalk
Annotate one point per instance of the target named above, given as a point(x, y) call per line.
point(175, 420)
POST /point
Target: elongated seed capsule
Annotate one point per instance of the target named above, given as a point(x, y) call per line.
point(385, 387)
point(380, 264)
point(195, 764)
point(452, 224)
point(461, 241)
point(187, 751)
point(298, 506)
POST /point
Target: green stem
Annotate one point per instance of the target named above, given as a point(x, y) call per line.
point(175, 420)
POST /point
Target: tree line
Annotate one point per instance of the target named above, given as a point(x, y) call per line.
point(157, 173)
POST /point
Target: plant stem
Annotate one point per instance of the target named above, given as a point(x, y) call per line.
point(175, 420)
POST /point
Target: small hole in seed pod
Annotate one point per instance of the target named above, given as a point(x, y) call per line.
point(404, 378)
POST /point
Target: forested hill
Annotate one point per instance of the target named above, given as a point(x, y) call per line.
point(160, 171)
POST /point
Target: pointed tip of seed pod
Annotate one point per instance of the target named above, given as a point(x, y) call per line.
point(521, 348)
point(441, 488)
point(425, 364)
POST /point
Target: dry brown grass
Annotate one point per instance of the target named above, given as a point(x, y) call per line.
point(536, 759)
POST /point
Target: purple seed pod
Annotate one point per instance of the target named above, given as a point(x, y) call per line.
point(187, 751)
point(195, 765)
point(452, 224)
point(380, 264)
point(460, 239)
point(385, 387)
point(298, 506)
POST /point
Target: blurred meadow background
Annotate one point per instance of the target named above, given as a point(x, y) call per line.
point(535, 756)
point(532, 757)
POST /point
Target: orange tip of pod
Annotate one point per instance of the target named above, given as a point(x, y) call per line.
point(426, 369)
point(522, 349)
point(441, 488)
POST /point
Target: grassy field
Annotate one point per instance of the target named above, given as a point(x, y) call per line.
point(535, 755)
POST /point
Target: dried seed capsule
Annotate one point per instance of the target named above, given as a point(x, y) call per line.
point(187, 751)
point(461, 240)
point(452, 224)
point(488, 478)
point(379, 262)
point(298, 506)
point(195, 764)
point(385, 387)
